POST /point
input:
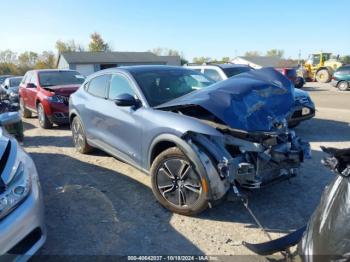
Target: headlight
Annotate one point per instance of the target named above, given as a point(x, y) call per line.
point(56, 99)
point(17, 190)
point(305, 111)
point(13, 94)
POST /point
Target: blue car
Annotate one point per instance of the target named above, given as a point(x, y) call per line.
point(194, 138)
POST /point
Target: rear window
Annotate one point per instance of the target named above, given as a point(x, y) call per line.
point(55, 78)
point(15, 81)
point(235, 71)
point(344, 70)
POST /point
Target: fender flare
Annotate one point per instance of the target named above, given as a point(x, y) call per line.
point(188, 151)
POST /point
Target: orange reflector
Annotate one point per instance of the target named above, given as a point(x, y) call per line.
point(205, 185)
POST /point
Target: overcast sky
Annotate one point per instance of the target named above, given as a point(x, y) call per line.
point(196, 27)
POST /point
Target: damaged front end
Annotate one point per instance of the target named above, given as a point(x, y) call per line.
point(250, 111)
point(249, 160)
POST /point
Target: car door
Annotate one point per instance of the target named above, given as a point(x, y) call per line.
point(31, 91)
point(123, 124)
point(90, 112)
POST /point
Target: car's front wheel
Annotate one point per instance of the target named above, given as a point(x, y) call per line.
point(176, 184)
point(42, 117)
point(79, 138)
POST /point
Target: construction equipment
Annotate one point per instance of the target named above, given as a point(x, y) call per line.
point(320, 67)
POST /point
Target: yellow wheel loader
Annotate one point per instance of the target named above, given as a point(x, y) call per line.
point(320, 67)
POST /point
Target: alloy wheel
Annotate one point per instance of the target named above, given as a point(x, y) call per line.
point(343, 86)
point(178, 183)
point(78, 134)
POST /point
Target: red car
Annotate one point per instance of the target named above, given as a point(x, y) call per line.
point(291, 74)
point(46, 92)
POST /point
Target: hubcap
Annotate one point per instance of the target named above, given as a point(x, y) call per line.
point(343, 86)
point(178, 183)
point(78, 135)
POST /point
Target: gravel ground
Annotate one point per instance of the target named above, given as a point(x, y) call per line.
point(97, 205)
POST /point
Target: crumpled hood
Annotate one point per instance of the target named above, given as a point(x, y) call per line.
point(63, 90)
point(259, 100)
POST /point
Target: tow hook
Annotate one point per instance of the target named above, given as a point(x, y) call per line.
point(238, 196)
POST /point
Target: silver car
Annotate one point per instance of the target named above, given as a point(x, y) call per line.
point(22, 229)
point(196, 139)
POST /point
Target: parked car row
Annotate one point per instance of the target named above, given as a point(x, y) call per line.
point(197, 136)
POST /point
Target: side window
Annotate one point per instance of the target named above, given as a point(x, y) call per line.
point(197, 69)
point(98, 86)
point(25, 80)
point(212, 74)
point(119, 85)
point(32, 79)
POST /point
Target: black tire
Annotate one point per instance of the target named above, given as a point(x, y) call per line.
point(323, 76)
point(299, 82)
point(79, 137)
point(176, 184)
point(44, 122)
point(343, 85)
point(25, 113)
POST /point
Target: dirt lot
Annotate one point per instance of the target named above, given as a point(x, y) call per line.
point(97, 205)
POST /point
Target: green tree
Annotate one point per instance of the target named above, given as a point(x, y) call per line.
point(8, 68)
point(345, 59)
point(27, 59)
point(7, 56)
point(275, 52)
point(252, 53)
point(46, 60)
point(97, 44)
point(68, 46)
point(201, 60)
point(226, 59)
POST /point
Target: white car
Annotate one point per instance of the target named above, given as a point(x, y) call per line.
point(219, 72)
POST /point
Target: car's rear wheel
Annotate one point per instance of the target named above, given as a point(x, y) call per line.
point(79, 137)
point(176, 184)
point(343, 86)
point(42, 117)
point(25, 113)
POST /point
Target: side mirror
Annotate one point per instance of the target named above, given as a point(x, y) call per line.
point(9, 118)
point(6, 87)
point(30, 85)
point(125, 100)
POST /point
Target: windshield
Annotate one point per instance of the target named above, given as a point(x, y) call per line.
point(55, 78)
point(2, 79)
point(15, 81)
point(161, 86)
point(235, 71)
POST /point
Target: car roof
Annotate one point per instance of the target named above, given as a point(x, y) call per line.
point(52, 70)
point(222, 66)
point(15, 77)
point(231, 65)
point(143, 68)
